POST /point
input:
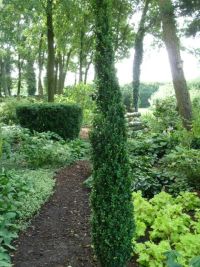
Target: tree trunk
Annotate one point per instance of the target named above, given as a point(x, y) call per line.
point(30, 77)
point(75, 79)
point(1, 75)
point(40, 66)
point(19, 83)
point(51, 52)
point(63, 68)
point(81, 57)
point(87, 69)
point(138, 56)
point(56, 77)
point(8, 75)
point(4, 80)
point(173, 48)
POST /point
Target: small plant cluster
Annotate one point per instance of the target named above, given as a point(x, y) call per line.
point(40, 149)
point(171, 228)
point(166, 157)
point(21, 195)
point(82, 95)
point(185, 163)
point(149, 172)
point(8, 108)
point(65, 120)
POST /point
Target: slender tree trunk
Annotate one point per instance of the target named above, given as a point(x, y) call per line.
point(81, 57)
point(40, 66)
point(63, 68)
point(173, 48)
point(51, 52)
point(66, 67)
point(75, 79)
point(87, 69)
point(19, 83)
point(4, 78)
point(138, 56)
point(56, 81)
point(8, 76)
point(1, 76)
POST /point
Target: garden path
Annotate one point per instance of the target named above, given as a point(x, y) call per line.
point(59, 236)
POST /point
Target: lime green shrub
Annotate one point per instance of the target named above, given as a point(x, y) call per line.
point(171, 229)
point(65, 120)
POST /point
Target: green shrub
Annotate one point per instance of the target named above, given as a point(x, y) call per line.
point(39, 150)
point(65, 120)
point(82, 95)
point(185, 163)
point(112, 207)
point(8, 110)
point(166, 114)
point(148, 175)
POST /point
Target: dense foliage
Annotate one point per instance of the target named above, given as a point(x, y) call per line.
point(65, 120)
point(112, 210)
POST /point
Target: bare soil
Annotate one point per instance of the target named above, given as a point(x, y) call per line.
point(84, 133)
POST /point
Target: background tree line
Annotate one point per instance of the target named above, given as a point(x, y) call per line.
point(42, 41)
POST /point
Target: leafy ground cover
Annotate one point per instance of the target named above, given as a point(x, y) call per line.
point(171, 227)
point(21, 195)
point(28, 165)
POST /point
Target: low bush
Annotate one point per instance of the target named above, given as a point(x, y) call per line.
point(65, 120)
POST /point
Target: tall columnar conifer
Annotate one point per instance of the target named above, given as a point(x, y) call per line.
point(112, 222)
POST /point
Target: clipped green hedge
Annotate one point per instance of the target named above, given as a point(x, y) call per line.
point(64, 120)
